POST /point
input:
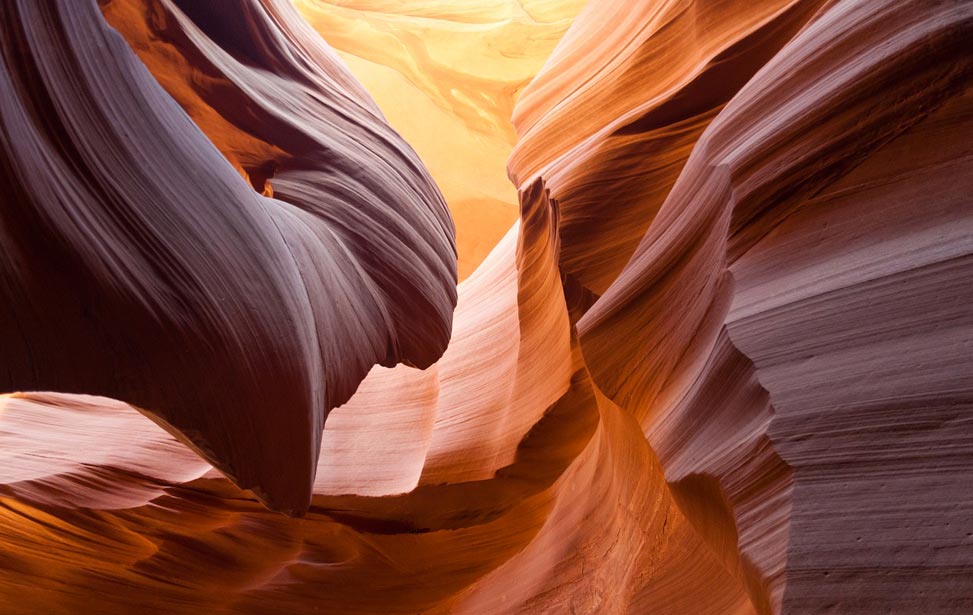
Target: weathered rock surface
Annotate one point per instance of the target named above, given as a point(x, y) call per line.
point(138, 265)
point(447, 75)
point(720, 365)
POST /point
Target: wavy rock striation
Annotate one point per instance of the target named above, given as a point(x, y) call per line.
point(718, 366)
point(446, 74)
point(773, 297)
point(138, 265)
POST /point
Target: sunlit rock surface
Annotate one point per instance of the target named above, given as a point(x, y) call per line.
point(446, 74)
point(719, 363)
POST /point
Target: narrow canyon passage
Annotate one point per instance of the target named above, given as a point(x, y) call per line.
point(493, 306)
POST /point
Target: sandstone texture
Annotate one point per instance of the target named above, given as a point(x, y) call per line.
point(699, 341)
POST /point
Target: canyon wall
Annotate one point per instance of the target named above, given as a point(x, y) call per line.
point(719, 363)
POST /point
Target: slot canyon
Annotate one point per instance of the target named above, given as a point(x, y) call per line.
point(486, 307)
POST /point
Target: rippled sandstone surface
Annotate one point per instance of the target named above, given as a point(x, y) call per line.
point(717, 363)
point(446, 76)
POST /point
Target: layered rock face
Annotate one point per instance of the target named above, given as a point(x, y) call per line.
point(446, 75)
point(720, 363)
point(140, 266)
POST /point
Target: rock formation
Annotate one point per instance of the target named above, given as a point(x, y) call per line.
point(446, 75)
point(138, 265)
point(719, 364)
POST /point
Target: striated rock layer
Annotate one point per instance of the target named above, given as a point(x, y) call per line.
point(773, 316)
point(138, 265)
point(720, 365)
point(446, 74)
